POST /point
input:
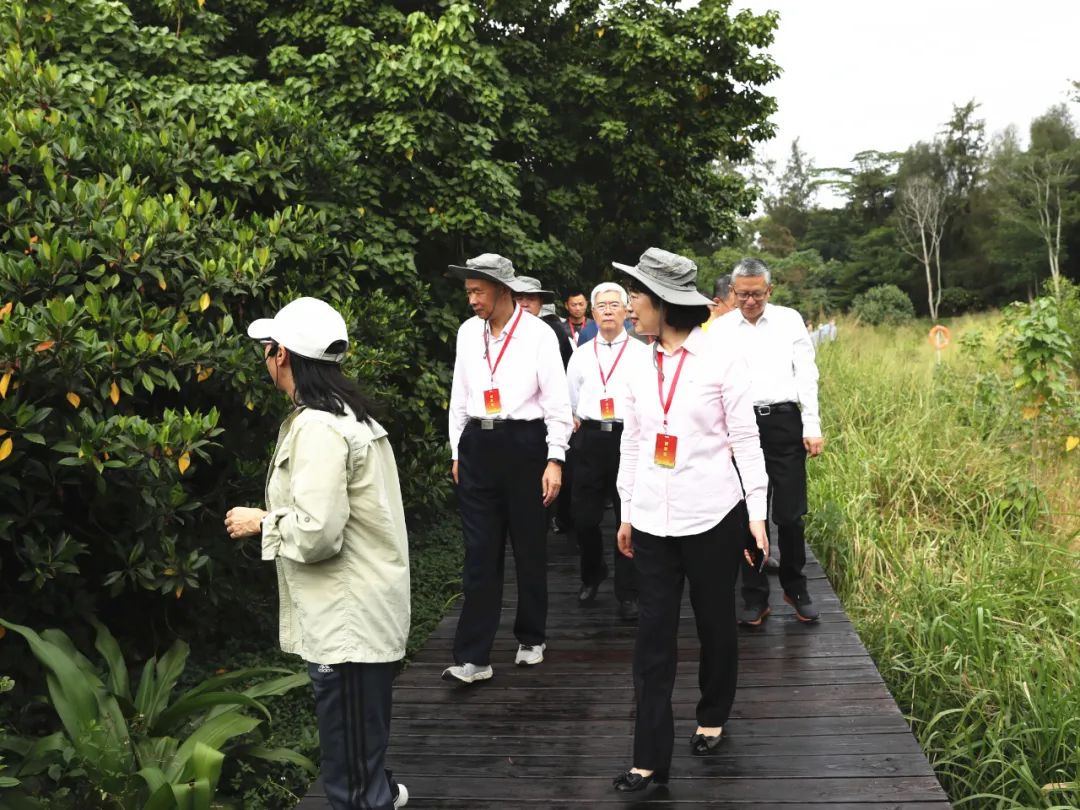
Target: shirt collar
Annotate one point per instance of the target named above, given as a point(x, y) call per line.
point(622, 337)
point(764, 315)
point(505, 329)
point(694, 342)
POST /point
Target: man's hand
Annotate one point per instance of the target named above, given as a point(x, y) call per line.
point(453, 472)
point(624, 537)
point(243, 521)
point(577, 424)
point(761, 540)
point(814, 445)
point(551, 482)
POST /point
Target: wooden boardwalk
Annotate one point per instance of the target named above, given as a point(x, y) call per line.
point(813, 725)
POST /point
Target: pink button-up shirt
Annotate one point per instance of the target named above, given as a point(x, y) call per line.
point(712, 416)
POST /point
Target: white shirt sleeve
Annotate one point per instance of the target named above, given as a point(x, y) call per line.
point(554, 394)
point(806, 381)
point(628, 454)
point(743, 435)
point(458, 413)
point(574, 379)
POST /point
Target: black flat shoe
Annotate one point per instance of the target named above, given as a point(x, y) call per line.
point(630, 781)
point(703, 746)
point(587, 594)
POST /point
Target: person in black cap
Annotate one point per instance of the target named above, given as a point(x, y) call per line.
point(685, 515)
point(509, 428)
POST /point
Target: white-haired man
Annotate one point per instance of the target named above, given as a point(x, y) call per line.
point(597, 380)
point(784, 376)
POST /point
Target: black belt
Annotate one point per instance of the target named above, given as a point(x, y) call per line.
point(776, 407)
point(504, 424)
point(603, 426)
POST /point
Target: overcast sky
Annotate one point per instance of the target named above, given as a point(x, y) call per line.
point(860, 74)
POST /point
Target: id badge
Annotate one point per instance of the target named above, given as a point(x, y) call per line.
point(607, 408)
point(666, 446)
point(492, 403)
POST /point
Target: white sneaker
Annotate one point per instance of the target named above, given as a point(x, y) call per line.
point(402, 796)
point(467, 673)
point(530, 656)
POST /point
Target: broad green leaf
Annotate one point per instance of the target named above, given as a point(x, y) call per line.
point(185, 707)
point(106, 644)
point(279, 755)
point(215, 733)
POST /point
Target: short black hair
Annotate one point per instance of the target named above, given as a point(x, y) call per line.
point(677, 316)
point(721, 286)
point(574, 292)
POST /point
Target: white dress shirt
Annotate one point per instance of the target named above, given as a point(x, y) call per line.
point(583, 374)
point(780, 355)
point(712, 416)
point(529, 377)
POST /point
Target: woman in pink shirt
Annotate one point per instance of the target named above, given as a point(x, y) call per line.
point(684, 511)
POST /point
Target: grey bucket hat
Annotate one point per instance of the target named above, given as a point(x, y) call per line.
point(548, 296)
point(669, 275)
point(492, 267)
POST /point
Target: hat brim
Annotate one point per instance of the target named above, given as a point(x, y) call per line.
point(671, 295)
point(457, 271)
point(261, 329)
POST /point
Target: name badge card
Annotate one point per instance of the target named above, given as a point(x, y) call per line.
point(666, 445)
point(607, 408)
point(492, 403)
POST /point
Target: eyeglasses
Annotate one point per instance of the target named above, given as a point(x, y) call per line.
point(607, 307)
point(757, 295)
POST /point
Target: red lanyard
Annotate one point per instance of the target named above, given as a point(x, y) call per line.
point(604, 379)
point(502, 351)
point(666, 405)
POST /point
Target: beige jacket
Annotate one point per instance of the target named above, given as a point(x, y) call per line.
point(336, 529)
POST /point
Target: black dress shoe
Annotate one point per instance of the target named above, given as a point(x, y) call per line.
point(630, 781)
point(705, 746)
point(587, 594)
point(628, 610)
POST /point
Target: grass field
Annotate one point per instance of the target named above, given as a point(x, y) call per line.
point(951, 536)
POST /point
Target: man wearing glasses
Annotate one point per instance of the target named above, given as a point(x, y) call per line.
point(780, 354)
point(598, 380)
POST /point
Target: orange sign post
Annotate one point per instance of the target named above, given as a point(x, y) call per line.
point(939, 338)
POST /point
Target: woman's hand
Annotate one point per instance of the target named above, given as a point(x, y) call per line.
point(761, 538)
point(626, 547)
point(243, 521)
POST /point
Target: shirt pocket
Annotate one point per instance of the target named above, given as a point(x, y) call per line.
point(279, 483)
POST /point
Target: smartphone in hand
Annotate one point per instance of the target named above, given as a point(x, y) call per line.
point(757, 556)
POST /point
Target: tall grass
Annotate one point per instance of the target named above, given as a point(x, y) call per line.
point(932, 519)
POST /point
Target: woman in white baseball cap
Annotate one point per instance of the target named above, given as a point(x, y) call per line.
point(335, 528)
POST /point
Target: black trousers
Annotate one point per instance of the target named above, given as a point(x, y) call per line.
point(710, 561)
point(597, 454)
point(564, 516)
point(352, 704)
point(785, 463)
point(500, 475)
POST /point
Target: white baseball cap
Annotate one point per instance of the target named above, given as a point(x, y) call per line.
point(306, 327)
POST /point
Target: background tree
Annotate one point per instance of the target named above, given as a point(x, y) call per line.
point(921, 216)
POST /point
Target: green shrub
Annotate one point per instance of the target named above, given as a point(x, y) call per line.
point(130, 749)
point(885, 304)
point(957, 300)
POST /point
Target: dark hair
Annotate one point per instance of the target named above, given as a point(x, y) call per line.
point(320, 384)
point(677, 316)
point(574, 292)
point(722, 286)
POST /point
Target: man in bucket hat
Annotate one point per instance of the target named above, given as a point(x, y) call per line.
point(533, 302)
point(510, 425)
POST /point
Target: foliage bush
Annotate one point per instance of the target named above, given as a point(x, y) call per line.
point(131, 749)
point(958, 300)
point(169, 171)
point(885, 304)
